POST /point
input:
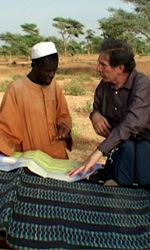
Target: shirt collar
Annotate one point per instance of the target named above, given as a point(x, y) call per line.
point(36, 87)
point(128, 84)
point(130, 79)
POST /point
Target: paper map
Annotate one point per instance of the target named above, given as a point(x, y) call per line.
point(43, 165)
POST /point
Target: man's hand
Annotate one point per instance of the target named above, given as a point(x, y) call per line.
point(63, 131)
point(87, 165)
point(100, 125)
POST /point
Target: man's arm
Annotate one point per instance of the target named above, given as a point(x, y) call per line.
point(64, 122)
point(63, 114)
point(137, 118)
point(99, 122)
point(10, 123)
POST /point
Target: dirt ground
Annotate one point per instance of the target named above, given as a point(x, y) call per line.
point(85, 139)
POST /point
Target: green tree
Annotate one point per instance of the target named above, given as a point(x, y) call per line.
point(32, 36)
point(30, 28)
point(13, 43)
point(58, 42)
point(68, 28)
point(96, 40)
point(20, 45)
point(141, 17)
point(113, 26)
point(92, 42)
point(133, 25)
point(89, 36)
point(74, 47)
point(6, 52)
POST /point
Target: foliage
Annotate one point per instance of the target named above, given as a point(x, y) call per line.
point(131, 26)
point(31, 29)
point(74, 48)
point(92, 42)
point(88, 107)
point(75, 129)
point(89, 37)
point(141, 18)
point(4, 84)
point(75, 87)
point(68, 28)
point(63, 71)
point(19, 45)
point(16, 76)
point(58, 43)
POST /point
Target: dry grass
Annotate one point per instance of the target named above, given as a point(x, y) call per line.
point(85, 139)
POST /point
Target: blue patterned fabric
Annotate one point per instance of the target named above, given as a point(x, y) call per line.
point(40, 213)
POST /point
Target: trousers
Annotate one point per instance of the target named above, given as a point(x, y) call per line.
point(131, 163)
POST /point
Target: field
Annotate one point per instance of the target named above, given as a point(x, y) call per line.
point(80, 71)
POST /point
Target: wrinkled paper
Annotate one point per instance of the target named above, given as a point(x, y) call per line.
point(42, 164)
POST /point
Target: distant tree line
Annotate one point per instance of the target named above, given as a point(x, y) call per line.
point(133, 27)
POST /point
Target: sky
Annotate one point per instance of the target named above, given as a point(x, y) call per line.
point(14, 13)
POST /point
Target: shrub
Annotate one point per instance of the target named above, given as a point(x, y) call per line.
point(85, 78)
point(88, 107)
point(4, 85)
point(17, 76)
point(63, 71)
point(75, 87)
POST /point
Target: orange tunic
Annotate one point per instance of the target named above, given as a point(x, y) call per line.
point(29, 116)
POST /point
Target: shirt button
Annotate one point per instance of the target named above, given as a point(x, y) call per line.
point(115, 108)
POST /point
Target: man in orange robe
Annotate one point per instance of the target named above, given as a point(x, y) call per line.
point(34, 114)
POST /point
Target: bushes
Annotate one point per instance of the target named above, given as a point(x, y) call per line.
point(74, 88)
point(77, 86)
point(4, 84)
point(88, 106)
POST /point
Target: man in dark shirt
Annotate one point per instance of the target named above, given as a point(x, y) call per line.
point(121, 109)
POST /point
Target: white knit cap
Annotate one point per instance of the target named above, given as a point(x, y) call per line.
point(43, 49)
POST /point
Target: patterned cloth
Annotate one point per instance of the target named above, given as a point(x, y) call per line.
point(40, 213)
